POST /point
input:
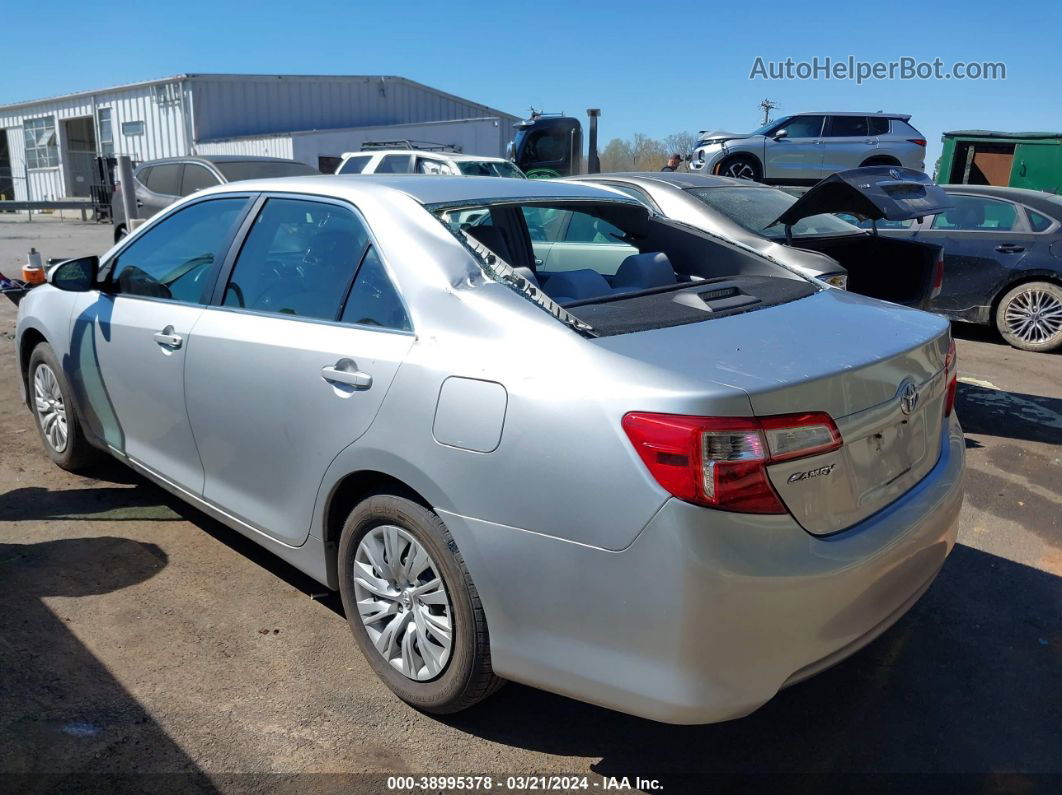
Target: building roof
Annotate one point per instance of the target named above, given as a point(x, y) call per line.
point(207, 76)
point(999, 134)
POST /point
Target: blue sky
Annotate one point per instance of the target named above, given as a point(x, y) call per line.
point(656, 67)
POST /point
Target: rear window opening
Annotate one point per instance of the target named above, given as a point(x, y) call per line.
point(612, 268)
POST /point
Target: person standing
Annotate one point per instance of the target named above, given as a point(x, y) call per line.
point(672, 163)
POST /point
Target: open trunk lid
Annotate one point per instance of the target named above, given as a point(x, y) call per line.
point(873, 192)
point(877, 370)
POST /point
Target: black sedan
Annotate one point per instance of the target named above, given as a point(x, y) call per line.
point(1002, 261)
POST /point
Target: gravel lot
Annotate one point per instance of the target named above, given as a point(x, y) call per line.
point(138, 636)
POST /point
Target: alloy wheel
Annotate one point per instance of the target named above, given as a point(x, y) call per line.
point(51, 411)
point(1034, 316)
point(740, 169)
point(403, 602)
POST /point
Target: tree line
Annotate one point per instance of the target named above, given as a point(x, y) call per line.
point(642, 153)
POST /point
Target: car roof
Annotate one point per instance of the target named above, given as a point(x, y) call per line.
point(880, 114)
point(217, 159)
point(1049, 203)
point(428, 189)
point(457, 156)
point(678, 179)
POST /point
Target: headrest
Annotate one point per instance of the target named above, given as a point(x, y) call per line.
point(644, 271)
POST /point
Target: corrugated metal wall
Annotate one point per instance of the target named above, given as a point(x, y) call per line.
point(164, 131)
point(229, 106)
point(263, 145)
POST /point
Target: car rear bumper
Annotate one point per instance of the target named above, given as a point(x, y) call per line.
point(706, 615)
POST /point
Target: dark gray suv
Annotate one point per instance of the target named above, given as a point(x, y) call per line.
point(159, 183)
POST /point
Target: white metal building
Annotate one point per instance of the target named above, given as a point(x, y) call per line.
point(51, 143)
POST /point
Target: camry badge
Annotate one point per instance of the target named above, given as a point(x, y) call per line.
point(908, 398)
point(811, 473)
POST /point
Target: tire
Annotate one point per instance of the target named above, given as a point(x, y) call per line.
point(57, 421)
point(741, 167)
point(1030, 316)
point(461, 677)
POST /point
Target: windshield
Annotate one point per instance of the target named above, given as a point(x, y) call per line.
point(489, 168)
point(263, 169)
point(770, 125)
point(756, 208)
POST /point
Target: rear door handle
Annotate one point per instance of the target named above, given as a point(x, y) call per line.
point(346, 372)
point(168, 339)
point(1008, 248)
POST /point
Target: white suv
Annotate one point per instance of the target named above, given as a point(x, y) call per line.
point(426, 161)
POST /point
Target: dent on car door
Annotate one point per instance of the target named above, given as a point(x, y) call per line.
point(985, 240)
point(293, 361)
point(130, 339)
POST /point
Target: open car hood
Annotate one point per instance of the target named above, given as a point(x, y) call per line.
point(874, 192)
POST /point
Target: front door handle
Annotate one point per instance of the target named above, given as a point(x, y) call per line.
point(1010, 248)
point(346, 372)
point(168, 339)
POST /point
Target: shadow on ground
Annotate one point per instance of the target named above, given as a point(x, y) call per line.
point(1009, 415)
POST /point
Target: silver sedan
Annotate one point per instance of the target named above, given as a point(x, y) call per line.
point(670, 484)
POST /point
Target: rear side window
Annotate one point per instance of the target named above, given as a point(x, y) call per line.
point(430, 165)
point(393, 164)
point(877, 125)
point(848, 126)
point(1038, 222)
point(355, 165)
point(977, 214)
point(373, 299)
point(904, 129)
point(173, 259)
point(196, 178)
point(298, 259)
point(165, 179)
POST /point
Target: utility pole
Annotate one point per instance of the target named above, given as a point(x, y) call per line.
point(767, 106)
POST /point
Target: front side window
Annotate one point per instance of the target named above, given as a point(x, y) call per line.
point(757, 208)
point(356, 164)
point(804, 126)
point(393, 164)
point(373, 299)
point(848, 127)
point(173, 259)
point(41, 148)
point(298, 259)
point(973, 213)
point(103, 116)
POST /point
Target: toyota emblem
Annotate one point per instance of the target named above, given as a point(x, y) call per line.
point(908, 398)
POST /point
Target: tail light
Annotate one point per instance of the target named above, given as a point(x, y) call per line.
point(951, 373)
point(721, 462)
point(918, 141)
point(938, 275)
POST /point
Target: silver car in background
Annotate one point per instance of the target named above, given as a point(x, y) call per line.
point(803, 148)
point(671, 490)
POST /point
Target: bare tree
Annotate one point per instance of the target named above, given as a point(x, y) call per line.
point(681, 143)
point(617, 156)
point(648, 153)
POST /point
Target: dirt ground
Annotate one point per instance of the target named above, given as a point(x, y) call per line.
point(140, 638)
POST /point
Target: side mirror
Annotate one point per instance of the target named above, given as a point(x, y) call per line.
point(75, 275)
point(780, 134)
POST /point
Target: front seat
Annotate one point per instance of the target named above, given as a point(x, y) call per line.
point(492, 238)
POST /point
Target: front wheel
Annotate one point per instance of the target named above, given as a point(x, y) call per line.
point(57, 420)
point(741, 167)
point(412, 606)
point(1030, 316)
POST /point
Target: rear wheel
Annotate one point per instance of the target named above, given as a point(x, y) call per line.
point(1030, 316)
point(56, 417)
point(741, 167)
point(412, 606)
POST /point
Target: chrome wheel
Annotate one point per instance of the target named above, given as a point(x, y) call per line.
point(51, 411)
point(403, 602)
point(740, 169)
point(1034, 316)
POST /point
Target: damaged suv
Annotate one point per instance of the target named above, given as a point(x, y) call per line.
point(670, 488)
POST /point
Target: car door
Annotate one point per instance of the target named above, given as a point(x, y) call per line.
point(585, 242)
point(846, 143)
point(796, 155)
point(160, 188)
point(130, 339)
point(291, 363)
point(985, 240)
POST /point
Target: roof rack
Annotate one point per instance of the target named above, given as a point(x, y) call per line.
point(423, 146)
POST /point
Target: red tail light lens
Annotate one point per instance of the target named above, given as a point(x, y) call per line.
point(951, 373)
point(918, 141)
point(722, 462)
point(938, 275)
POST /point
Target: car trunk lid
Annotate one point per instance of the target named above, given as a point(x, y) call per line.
point(877, 370)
